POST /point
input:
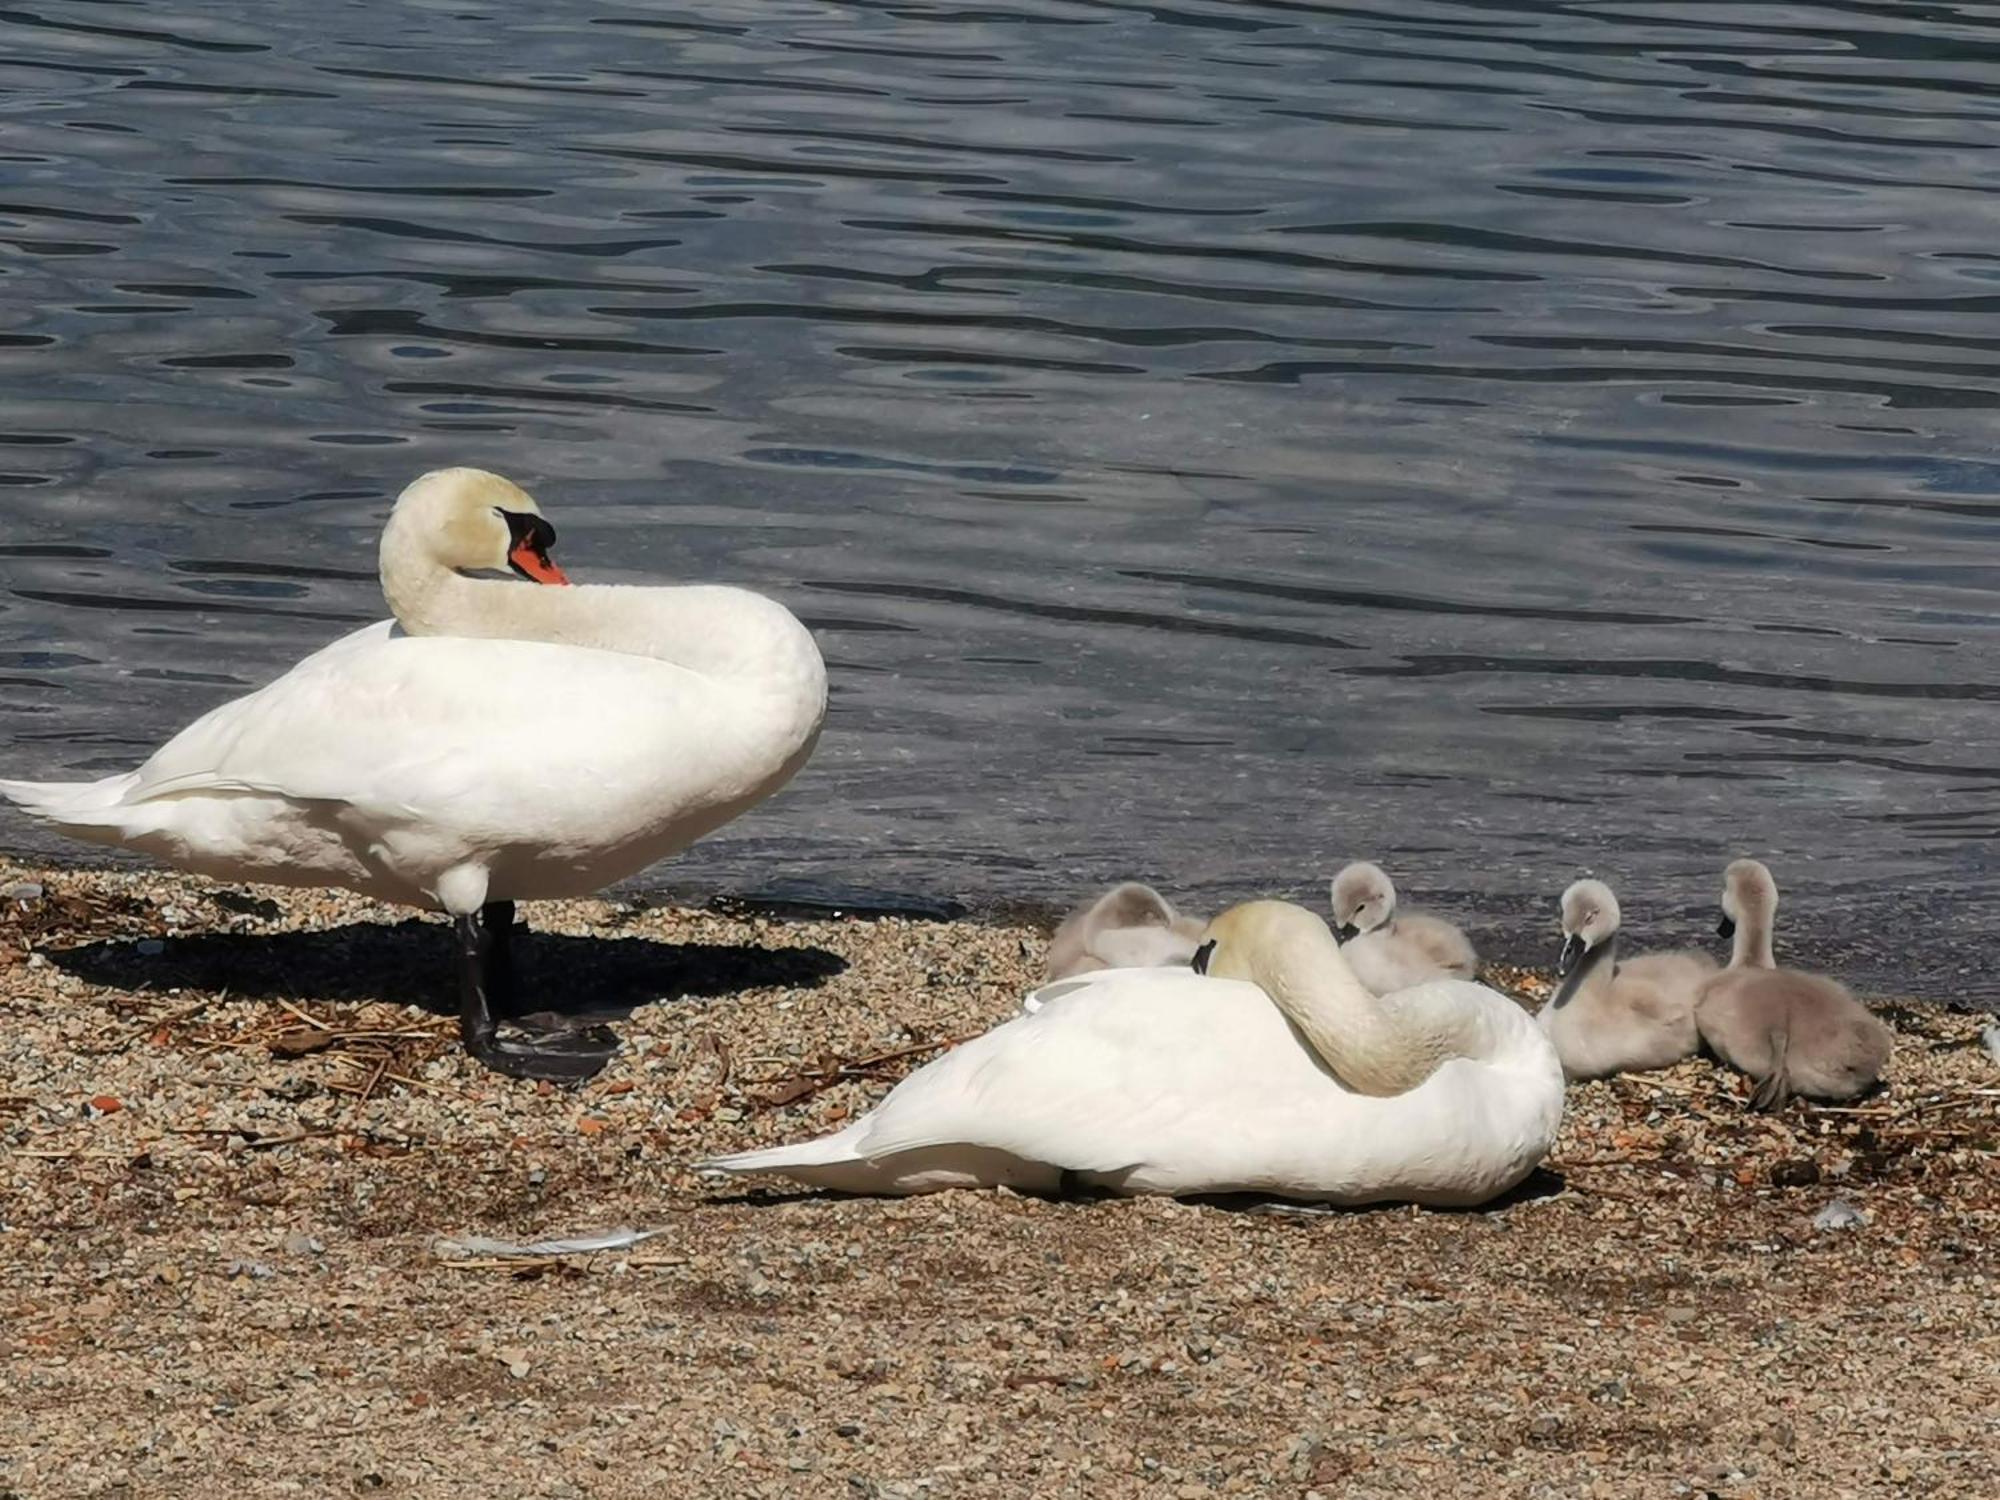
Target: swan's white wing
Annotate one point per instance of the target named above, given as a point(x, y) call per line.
point(1035, 999)
point(191, 759)
point(435, 727)
point(1122, 1068)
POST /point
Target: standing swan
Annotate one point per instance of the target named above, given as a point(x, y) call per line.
point(495, 742)
point(1391, 950)
point(1264, 1068)
point(1794, 1033)
point(1611, 1017)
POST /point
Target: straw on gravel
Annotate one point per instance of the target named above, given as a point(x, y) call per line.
point(225, 1160)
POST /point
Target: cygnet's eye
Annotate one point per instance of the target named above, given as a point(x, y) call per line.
point(1201, 956)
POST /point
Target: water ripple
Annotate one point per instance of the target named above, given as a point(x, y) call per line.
point(1214, 437)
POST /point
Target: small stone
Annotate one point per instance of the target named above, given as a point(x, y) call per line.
point(1801, 1172)
point(1990, 1038)
point(1839, 1214)
point(1682, 1314)
point(298, 1242)
point(22, 890)
point(256, 1270)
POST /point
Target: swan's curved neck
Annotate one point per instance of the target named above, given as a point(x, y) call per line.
point(1752, 948)
point(722, 633)
point(1592, 972)
point(1373, 1046)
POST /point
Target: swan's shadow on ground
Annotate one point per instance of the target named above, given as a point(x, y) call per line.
point(412, 963)
point(1540, 1185)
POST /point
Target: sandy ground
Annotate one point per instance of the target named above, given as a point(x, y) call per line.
point(233, 1131)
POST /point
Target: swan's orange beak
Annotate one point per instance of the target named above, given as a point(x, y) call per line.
point(532, 561)
point(529, 538)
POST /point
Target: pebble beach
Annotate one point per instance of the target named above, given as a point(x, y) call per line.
point(250, 1190)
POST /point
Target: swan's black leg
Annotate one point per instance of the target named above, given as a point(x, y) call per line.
point(486, 983)
point(503, 986)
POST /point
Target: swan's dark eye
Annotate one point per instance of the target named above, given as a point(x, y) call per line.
point(1201, 956)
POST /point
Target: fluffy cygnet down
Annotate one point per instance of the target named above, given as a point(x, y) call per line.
point(1392, 950)
point(1794, 1033)
point(1609, 1016)
point(1130, 926)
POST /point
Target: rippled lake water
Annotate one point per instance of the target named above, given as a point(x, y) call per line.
point(1211, 440)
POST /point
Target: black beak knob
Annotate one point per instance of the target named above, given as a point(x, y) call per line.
point(1201, 955)
point(1572, 952)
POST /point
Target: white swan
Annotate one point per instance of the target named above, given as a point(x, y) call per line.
point(1792, 1032)
point(1273, 1072)
point(1130, 926)
point(1609, 1016)
point(1391, 950)
point(496, 741)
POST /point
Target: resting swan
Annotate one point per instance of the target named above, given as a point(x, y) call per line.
point(1131, 926)
point(496, 741)
point(1794, 1033)
point(1264, 1068)
point(1611, 1017)
point(1391, 950)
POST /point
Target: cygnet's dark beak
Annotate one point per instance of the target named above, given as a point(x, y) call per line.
point(1348, 931)
point(1199, 963)
point(1726, 927)
point(1572, 954)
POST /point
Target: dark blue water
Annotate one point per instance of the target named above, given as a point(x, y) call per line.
point(1212, 440)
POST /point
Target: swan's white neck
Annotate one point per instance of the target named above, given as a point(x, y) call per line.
point(727, 634)
point(1373, 1046)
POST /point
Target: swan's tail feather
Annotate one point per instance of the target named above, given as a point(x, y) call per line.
point(79, 805)
point(826, 1151)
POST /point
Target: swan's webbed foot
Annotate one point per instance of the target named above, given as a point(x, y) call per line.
point(1771, 1093)
point(486, 985)
point(558, 1056)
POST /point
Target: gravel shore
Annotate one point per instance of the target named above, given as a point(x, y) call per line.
point(236, 1131)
